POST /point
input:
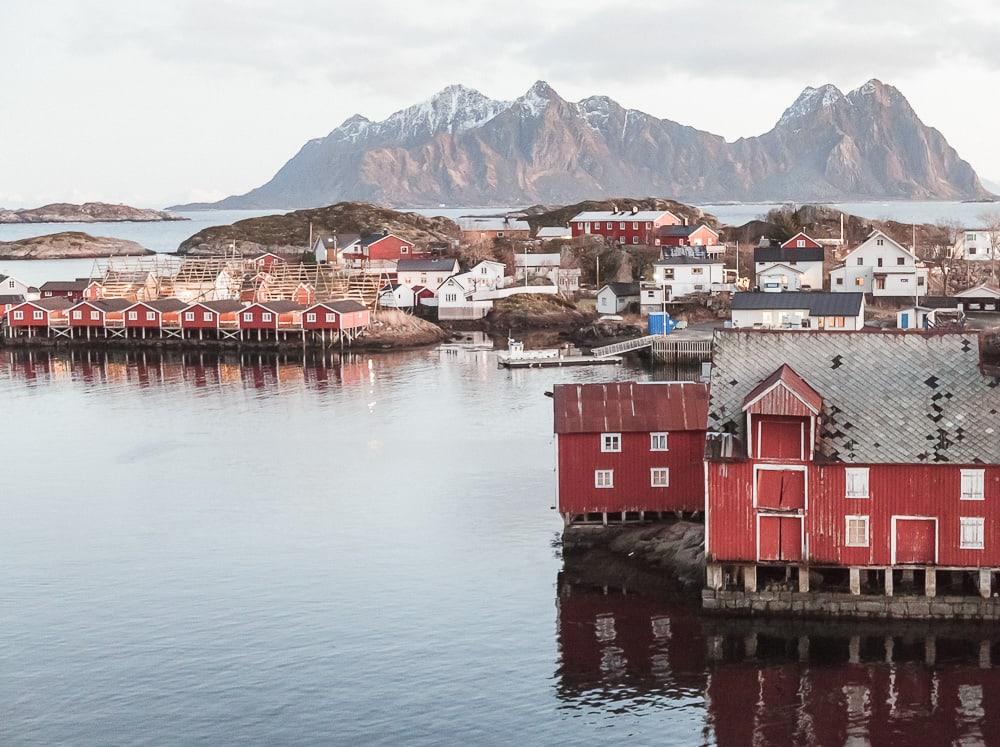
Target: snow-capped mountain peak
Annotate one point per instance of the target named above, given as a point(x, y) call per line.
point(810, 100)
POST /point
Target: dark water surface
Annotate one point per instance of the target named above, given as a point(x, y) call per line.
point(275, 551)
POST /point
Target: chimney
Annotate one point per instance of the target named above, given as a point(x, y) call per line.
point(614, 208)
point(635, 209)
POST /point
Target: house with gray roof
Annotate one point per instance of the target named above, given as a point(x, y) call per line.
point(801, 310)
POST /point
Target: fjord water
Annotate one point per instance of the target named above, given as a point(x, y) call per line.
point(362, 550)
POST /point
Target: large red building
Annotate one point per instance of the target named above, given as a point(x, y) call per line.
point(696, 235)
point(625, 227)
point(876, 454)
point(382, 251)
point(625, 450)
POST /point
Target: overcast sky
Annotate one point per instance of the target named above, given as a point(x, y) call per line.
point(178, 100)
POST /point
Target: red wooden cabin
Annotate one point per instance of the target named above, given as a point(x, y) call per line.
point(33, 316)
point(73, 290)
point(384, 249)
point(700, 235)
point(271, 315)
point(266, 260)
point(147, 315)
point(210, 315)
point(801, 241)
point(99, 314)
point(877, 451)
point(629, 449)
point(336, 316)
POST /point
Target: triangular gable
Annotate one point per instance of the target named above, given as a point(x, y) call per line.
point(792, 243)
point(876, 234)
point(780, 266)
point(784, 392)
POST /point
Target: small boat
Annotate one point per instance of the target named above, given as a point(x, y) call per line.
point(517, 357)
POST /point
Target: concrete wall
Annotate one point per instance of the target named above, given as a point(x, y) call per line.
point(820, 604)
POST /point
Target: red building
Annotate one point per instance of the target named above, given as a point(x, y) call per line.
point(74, 290)
point(336, 316)
point(271, 316)
point(382, 250)
point(700, 235)
point(211, 315)
point(625, 449)
point(150, 315)
point(801, 241)
point(625, 227)
point(31, 317)
point(99, 314)
point(859, 452)
point(8, 302)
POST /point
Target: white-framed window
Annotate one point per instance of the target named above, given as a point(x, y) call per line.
point(404, 250)
point(861, 261)
point(248, 317)
point(658, 442)
point(635, 239)
point(330, 318)
point(856, 482)
point(697, 270)
point(19, 315)
point(973, 484)
point(604, 478)
point(621, 226)
point(451, 297)
point(635, 225)
point(150, 316)
point(857, 531)
point(971, 533)
point(39, 315)
point(76, 314)
point(800, 243)
point(208, 316)
point(188, 316)
point(311, 317)
point(879, 242)
point(609, 225)
point(95, 315)
point(659, 477)
point(133, 315)
point(266, 316)
point(10, 283)
point(611, 442)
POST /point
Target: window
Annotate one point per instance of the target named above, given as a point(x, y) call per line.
point(609, 225)
point(635, 225)
point(859, 281)
point(38, 315)
point(879, 261)
point(900, 261)
point(971, 533)
point(697, 270)
point(840, 281)
point(404, 250)
point(604, 478)
point(635, 239)
point(76, 315)
point(266, 316)
point(621, 226)
point(311, 317)
point(207, 316)
point(920, 280)
point(861, 261)
point(800, 243)
point(857, 531)
point(856, 482)
point(970, 237)
point(973, 484)
point(150, 316)
point(19, 315)
point(331, 318)
point(611, 442)
point(879, 242)
point(499, 234)
point(188, 316)
point(248, 317)
point(659, 477)
point(10, 283)
point(451, 297)
point(95, 315)
point(133, 315)
point(658, 442)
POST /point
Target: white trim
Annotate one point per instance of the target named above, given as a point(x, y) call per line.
point(804, 469)
point(974, 521)
point(771, 388)
point(892, 538)
point(705, 465)
point(652, 474)
point(610, 472)
point(973, 473)
point(611, 435)
point(666, 440)
point(803, 549)
point(868, 490)
point(847, 530)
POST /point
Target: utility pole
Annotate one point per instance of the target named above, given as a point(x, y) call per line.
point(597, 273)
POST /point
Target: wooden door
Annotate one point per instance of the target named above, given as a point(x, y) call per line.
point(781, 489)
point(916, 541)
point(780, 538)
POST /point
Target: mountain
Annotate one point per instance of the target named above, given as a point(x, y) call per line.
point(88, 212)
point(463, 148)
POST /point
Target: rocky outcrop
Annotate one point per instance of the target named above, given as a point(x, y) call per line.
point(289, 233)
point(88, 212)
point(393, 329)
point(70, 245)
point(463, 148)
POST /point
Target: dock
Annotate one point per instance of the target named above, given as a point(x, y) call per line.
point(682, 345)
point(506, 361)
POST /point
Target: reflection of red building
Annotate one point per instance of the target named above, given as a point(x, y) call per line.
point(629, 449)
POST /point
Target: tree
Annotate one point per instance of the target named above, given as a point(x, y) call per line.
point(991, 227)
point(943, 255)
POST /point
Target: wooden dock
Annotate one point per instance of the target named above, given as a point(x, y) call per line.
point(677, 346)
point(556, 362)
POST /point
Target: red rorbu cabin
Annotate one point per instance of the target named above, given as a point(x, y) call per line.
point(698, 235)
point(271, 316)
point(72, 290)
point(211, 316)
point(31, 317)
point(382, 250)
point(150, 315)
point(626, 449)
point(340, 316)
point(870, 453)
point(99, 314)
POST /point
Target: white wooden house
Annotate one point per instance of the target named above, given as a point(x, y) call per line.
point(841, 312)
point(486, 274)
point(882, 267)
point(976, 245)
point(429, 273)
point(11, 286)
point(615, 298)
point(789, 267)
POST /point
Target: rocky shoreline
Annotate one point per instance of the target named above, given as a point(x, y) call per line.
point(70, 245)
point(88, 212)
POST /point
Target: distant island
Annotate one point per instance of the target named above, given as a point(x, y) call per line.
point(88, 212)
point(70, 245)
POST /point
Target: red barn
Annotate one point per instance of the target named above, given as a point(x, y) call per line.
point(266, 260)
point(871, 454)
point(626, 449)
point(154, 315)
point(211, 316)
point(801, 241)
point(32, 316)
point(625, 227)
point(700, 235)
point(381, 250)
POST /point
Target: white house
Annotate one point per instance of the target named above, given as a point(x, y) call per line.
point(11, 286)
point(934, 312)
point(882, 267)
point(547, 267)
point(397, 296)
point(788, 268)
point(429, 273)
point(842, 312)
point(486, 274)
point(976, 245)
point(455, 299)
point(984, 297)
point(682, 276)
point(614, 298)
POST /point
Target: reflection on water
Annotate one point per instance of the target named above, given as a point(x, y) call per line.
point(778, 682)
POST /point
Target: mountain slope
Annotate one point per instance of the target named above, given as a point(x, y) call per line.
point(463, 148)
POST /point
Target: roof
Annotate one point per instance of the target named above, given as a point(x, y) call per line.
point(620, 215)
point(280, 307)
point(164, 304)
point(786, 376)
point(983, 290)
point(781, 266)
point(11, 299)
point(888, 397)
point(781, 254)
point(800, 235)
point(817, 303)
point(222, 306)
point(64, 285)
point(344, 307)
point(107, 304)
point(626, 406)
point(373, 238)
point(537, 260)
point(52, 304)
point(492, 223)
point(684, 259)
point(426, 265)
point(553, 232)
point(623, 289)
point(683, 231)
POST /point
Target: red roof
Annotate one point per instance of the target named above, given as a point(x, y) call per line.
point(786, 376)
point(619, 407)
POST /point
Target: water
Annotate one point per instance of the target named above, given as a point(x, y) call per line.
point(199, 550)
point(903, 211)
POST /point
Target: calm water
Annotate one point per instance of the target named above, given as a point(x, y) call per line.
point(908, 211)
point(275, 551)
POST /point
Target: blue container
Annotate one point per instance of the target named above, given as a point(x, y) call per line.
point(660, 323)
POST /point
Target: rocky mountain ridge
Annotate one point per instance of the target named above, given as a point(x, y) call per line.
point(88, 212)
point(464, 148)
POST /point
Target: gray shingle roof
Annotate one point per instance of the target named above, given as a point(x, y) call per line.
point(426, 265)
point(777, 254)
point(888, 397)
point(818, 304)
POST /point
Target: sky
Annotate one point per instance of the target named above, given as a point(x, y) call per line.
point(186, 100)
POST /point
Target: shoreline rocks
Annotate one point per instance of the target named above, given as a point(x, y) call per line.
point(70, 245)
point(88, 212)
